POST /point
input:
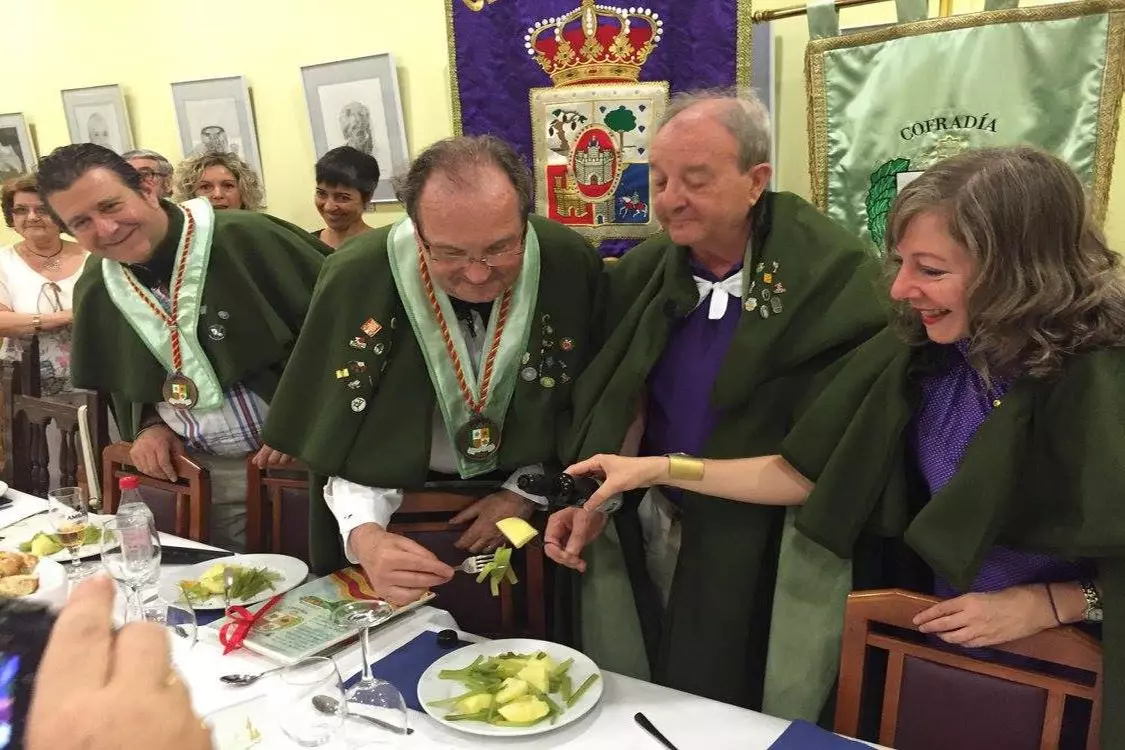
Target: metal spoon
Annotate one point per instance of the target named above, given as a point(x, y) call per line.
point(242, 680)
point(326, 704)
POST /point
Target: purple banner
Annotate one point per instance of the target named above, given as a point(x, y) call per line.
point(496, 60)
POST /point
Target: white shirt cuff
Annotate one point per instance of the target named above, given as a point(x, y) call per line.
point(356, 504)
point(513, 483)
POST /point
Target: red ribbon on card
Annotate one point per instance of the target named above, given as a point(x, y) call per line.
point(242, 621)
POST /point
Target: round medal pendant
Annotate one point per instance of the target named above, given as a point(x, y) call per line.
point(180, 392)
point(479, 439)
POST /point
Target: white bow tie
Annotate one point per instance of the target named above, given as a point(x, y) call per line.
point(720, 291)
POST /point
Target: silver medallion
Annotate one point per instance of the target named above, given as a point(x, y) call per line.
point(216, 332)
point(775, 304)
point(223, 315)
point(359, 404)
point(378, 348)
point(751, 304)
point(529, 374)
point(764, 311)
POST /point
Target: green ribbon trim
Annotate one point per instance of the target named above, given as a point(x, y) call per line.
point(151, 329)
point(403, 250)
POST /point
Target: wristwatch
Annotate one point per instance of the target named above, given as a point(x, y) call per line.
point(1093, 611)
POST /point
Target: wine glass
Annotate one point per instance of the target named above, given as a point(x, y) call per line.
point(131, 554)
point(308, 699)
point(68, 512)
point(371, 696)
point(171, 609)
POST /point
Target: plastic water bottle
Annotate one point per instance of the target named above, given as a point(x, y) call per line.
point(132, 505)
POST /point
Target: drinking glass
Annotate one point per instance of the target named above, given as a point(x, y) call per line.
point(371, 696)
point(68, 512)
point(171, 609)
point(131, 554)
point(300, 695)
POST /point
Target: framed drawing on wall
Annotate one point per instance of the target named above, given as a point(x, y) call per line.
point(215, 115)
point(17, 153)
point(356, 103)
point(97, 115)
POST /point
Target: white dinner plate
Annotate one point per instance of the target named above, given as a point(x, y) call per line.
point(432, 688)
point(293, 573)
point(85, 552)
point(53, 584)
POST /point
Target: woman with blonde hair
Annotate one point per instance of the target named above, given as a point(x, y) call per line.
point(37, 278)
point(986, 425)
point(223, 179)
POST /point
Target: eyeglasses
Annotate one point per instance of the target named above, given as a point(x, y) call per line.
point(147, 173)
point(493, 259)
point(23, 210)
point(51, 292)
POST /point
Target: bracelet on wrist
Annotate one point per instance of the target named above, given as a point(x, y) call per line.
point(684, 467)
point(37, 322)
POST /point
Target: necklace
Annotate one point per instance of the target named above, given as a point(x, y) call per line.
point(179, 390)
point(478, 438)
point(47, 262)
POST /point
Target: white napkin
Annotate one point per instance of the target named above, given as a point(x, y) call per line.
point(22, 506)
point(720, 291)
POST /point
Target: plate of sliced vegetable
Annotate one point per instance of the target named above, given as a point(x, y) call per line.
point(510, 688)
point(256, 578)
point(45, 544)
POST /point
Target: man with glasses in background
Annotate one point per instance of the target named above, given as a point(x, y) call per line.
point(154, 169)
point(442, 348)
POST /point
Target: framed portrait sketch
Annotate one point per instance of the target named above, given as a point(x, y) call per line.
point(356, 103)
point(17, 153)
point(98, 115)
point(214, 115)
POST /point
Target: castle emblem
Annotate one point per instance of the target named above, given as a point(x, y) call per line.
point(592, 126)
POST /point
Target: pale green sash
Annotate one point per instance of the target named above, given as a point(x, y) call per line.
point(807, 626)
point(403, 251)
point(152, 330)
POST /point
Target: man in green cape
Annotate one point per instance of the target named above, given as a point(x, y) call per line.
point(185, 321)
point(719, 330)
point(442, 348)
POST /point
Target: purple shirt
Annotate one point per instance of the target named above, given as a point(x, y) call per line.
point(679, 415)
point(954, 405)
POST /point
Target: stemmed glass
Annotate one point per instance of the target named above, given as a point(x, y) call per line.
point(69, 516)
point(371, 697)
point(309, 701)
point(171, 609)
point(131, 554)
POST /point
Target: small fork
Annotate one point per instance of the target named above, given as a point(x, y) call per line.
point(475, 564)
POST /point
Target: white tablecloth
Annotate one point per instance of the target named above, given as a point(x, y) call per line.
point(688, 721)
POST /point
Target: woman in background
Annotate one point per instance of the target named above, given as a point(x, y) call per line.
point(223, 179)
point(345, 181)
point(37, 277)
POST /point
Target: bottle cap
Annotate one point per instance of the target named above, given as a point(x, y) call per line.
point(128, 482)
point(447, 639)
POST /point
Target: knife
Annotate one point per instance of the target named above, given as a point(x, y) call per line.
point(189, 555)
point(648, 727)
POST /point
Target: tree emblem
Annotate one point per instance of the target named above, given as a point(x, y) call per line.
point(884, 187)
point(621, 121)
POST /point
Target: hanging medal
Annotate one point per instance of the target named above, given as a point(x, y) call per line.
point(479, 438)
point(179, 390)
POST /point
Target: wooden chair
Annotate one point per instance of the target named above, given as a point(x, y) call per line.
point(908, 660)
point(31, 453)
point(272, 496)
point(182, 507)
point(277, 521)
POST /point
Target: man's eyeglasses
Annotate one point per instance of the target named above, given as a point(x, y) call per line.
point(147, 174)
point(492, 259)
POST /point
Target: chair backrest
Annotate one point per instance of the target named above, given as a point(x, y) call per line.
point(272, 497)
point(31, 450)
point(986, 678)
point(182, 508)
point(277, 520)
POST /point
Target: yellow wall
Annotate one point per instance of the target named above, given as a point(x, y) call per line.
point(145, 45)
